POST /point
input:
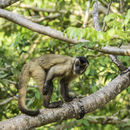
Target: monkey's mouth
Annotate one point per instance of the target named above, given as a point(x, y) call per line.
point(78, 72)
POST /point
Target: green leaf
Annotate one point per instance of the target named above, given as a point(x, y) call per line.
point(37, 94)
point(85, 122)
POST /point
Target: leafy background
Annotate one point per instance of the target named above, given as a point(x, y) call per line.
point(16, 43)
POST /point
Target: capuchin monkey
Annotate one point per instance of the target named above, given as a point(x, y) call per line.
point(43, 70)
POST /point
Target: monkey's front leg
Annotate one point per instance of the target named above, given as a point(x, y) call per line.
point(64, 90)
point(55, 71)
point(47, 85)
point(47, 98)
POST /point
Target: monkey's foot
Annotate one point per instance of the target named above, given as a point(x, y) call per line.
point(54, 104)
point(70, 98)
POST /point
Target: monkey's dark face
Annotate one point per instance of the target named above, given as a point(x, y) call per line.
point(80, 65)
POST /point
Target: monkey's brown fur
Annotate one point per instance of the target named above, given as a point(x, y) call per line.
point(43, 70)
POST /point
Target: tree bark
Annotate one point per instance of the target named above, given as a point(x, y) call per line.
point(18, 19)
point(5, 3)
point(72, 109)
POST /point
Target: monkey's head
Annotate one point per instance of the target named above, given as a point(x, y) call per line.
point(80, 65)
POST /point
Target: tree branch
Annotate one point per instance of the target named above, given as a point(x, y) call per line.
point(104, 24)
point(71, 109)
point(97, 27)
point(95, 16)
point(18, 19)
point(113, 50)
point(37, 8)
point(5, 3)
point(8, 100)
point(94, 120)
point(50, 17)
point(117, 63)
point(86, 14)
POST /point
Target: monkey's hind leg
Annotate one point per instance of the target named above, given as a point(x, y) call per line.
point(39, 76)
point(47, 98)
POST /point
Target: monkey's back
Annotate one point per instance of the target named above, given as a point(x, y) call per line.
point(49, 60)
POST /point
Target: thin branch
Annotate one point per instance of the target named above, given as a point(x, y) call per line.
point(11, 82)
point(36, 8)
point(97, 27)
point(5, 3)
point(18, 19)
point(86, 14)
point(118, 63)
point(50, 17)
point(33, 46)
point(71, 109)
point(121, 6)
point(6, 101)
point(104, 2)
point(95, 16)
point(104, 24)
point(94, 120)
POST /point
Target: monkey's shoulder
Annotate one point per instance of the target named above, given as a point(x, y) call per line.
point(50, 60)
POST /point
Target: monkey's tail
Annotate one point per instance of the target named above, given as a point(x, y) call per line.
point(23, 80)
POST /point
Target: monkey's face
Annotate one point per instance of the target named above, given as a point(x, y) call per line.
point(80, 65)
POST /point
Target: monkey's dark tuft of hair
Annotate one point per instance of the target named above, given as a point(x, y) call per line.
point(83, 59)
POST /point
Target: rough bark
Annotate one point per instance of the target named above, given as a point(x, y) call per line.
point(72, 109)
point(18, 19)
point(5, 3)
point(96, 16)
point(118, 63)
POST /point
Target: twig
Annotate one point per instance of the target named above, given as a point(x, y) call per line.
point(86, 14)
point(104, 2)
point(39, 9)
point(109, 5)
point(8, 100)
point(93, 120)
point(117, 63)
point(95, 16)
point(50, 17)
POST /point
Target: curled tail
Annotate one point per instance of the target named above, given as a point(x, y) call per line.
point(23, 80)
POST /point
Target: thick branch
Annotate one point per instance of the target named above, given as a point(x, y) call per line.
point(113, 50)
point(18, 19)
point(36, 27)
point(5, 3)
point(72, 109)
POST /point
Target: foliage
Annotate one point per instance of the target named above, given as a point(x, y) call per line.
point(16, 42)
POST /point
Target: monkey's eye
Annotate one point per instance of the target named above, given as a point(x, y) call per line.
point(77, 64)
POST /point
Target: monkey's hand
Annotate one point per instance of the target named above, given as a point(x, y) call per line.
point(47, 87)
